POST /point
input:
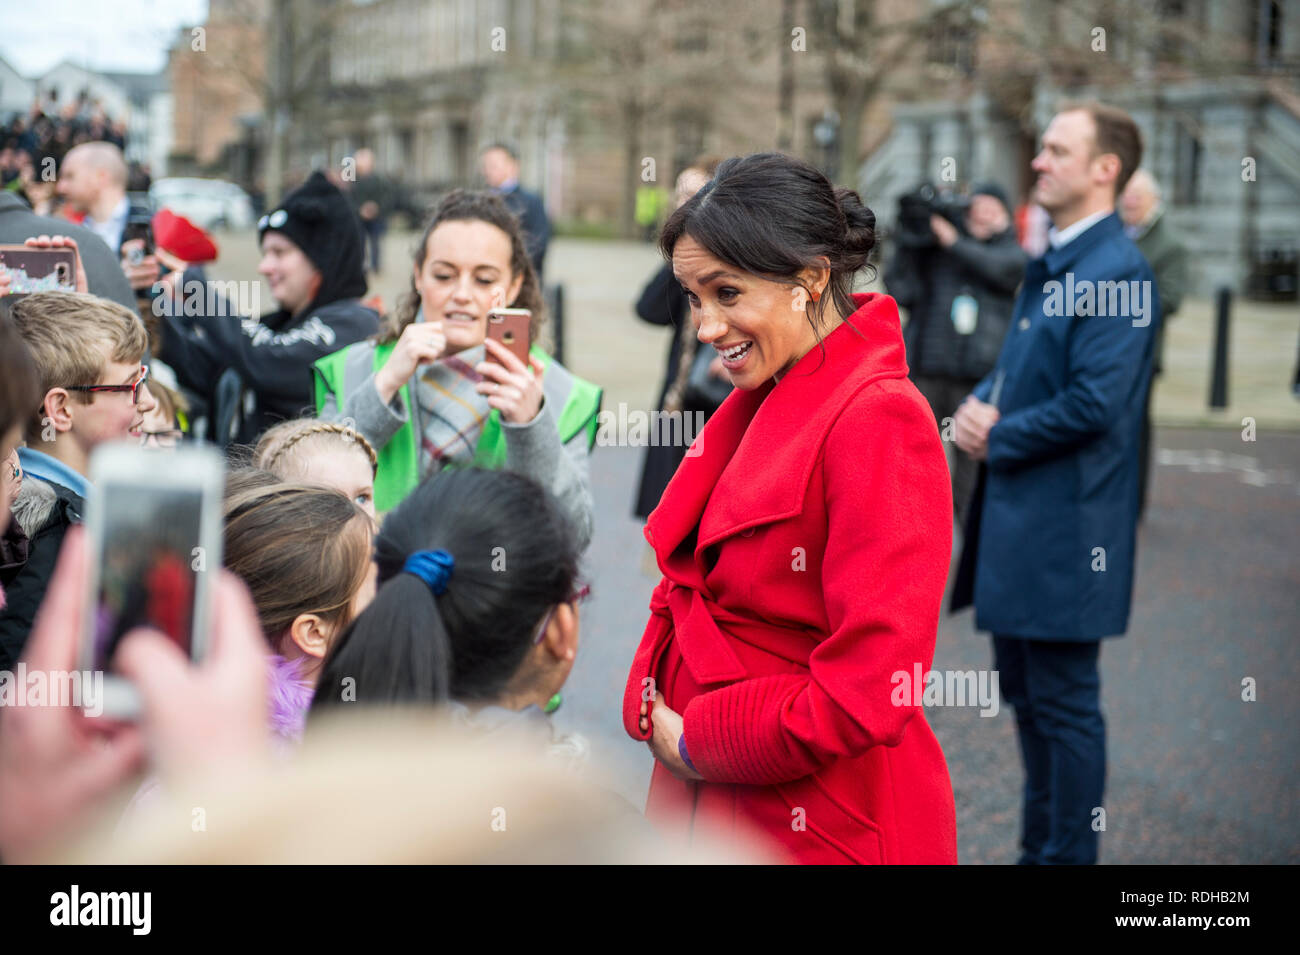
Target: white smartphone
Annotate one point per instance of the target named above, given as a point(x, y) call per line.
point(154, 531)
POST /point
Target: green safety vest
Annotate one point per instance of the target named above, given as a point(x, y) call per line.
point(399, 459)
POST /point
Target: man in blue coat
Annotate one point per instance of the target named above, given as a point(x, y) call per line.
point(501, 170)
point(1049, 550)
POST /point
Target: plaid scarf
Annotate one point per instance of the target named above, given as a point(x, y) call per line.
point(451, 412)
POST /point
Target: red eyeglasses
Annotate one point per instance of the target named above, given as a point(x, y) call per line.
point(133, 387)
point(577, 596)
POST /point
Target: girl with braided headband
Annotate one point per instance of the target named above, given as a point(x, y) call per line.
point(323, 453)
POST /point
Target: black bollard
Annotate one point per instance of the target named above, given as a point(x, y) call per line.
point(555, 306)
point(1295, 379)
point(1219, 373)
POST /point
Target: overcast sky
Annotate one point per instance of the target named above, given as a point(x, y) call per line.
point(120, 35)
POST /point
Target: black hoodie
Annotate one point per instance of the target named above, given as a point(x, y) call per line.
point(274, 356)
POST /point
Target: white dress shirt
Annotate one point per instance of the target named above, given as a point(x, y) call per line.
point(110, 230)
point(1072, 232)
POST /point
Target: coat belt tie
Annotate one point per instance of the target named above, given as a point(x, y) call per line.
point(687, 616)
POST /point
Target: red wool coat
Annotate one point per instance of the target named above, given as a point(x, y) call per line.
point(804, 544)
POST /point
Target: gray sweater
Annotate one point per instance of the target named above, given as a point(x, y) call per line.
point(532, 449)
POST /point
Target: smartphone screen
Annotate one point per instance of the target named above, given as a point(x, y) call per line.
point(39, 270)
point(155, 548)
point(149, 560)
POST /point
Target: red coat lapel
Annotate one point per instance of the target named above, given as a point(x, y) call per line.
point(760, 447)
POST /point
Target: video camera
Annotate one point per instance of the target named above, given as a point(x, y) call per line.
point(916, 207)
point(139, 225)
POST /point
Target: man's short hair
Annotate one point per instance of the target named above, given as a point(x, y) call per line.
point(103, 155)
point(64, 332)
point(504, 147)
point(1115, 133)
point(1152, 183)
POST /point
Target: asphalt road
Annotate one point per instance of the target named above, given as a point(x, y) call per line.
point(1195, 775)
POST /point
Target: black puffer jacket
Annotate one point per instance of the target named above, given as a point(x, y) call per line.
point(273, 356)
point(44, 512)
point(926, 281)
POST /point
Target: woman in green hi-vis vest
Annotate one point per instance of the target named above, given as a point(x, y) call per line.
point(423, 392)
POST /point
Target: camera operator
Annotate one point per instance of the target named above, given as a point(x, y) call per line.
point(956, 270)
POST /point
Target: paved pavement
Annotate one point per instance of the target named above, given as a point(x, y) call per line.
point(1196, 774)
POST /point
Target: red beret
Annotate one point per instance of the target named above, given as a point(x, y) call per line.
point(180, 237)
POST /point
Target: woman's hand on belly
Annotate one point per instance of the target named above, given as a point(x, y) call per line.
point(665, 738)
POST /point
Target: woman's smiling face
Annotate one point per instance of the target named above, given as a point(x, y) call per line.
point(466, 273)
point(759, 327)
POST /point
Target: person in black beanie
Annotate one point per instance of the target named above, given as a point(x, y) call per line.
point(313, 259)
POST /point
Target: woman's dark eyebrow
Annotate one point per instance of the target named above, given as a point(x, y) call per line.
point(706, 279)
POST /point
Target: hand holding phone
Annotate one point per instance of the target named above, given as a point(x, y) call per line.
point(514, 390)
point(40, 267)
point(140, 266)
point(57, 767)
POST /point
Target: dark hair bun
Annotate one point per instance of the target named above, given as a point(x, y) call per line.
point(776, 215)
point(860, 235)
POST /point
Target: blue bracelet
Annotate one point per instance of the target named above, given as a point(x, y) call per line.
point(681, 751)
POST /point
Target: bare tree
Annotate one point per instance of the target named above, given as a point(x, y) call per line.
point(287, 72)
point(863, 45)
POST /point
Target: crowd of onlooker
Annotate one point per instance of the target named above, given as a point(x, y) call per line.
point(34, 144)
point(340, 415)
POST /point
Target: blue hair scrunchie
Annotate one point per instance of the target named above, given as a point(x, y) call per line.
point(431, 566)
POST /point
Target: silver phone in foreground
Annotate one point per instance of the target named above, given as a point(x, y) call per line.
point(154, 527)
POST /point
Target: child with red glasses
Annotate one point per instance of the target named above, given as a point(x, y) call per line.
point(476, 609)
point(89, 356)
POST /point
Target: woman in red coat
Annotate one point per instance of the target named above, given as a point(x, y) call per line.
point(804, 544)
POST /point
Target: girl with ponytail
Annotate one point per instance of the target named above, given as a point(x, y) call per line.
point(476, 604)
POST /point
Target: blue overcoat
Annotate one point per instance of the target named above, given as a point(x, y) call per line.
point(1051, 531)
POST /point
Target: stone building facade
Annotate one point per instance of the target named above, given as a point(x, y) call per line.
point(1221, 129)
